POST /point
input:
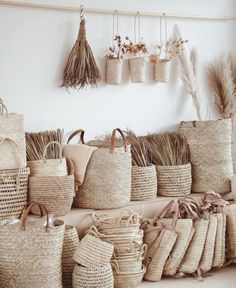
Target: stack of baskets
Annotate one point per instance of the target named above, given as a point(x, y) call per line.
point(125, 234)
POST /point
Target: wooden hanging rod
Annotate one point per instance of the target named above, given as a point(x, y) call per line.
point(106, 11)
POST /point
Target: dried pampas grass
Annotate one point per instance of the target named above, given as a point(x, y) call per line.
point(167, 149)
point(221, 82)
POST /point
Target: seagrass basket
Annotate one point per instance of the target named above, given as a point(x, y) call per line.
point(161, 71)
point(231, 231)
point(114, 68)
point(137, 69)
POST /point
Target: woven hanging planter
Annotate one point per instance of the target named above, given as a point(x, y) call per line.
point(161, 71)
point(143, 183)
point(174, 180)
point(137, 69)
point(231, 231)
point(114, 68)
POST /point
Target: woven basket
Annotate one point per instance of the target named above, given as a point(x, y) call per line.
point(210, 144)
point(137, 69)
point(231, 231)
point(208, 251)
point(107, 182)
point(219, 251)
point(99, 277)
point(71, 241)
point(161, 71)
point(114, 69)
point(126, 264)
point(11, 127)
point(48, 167)
point(31, 254)
point(93, 252)
point(143, 183)
point(55, 192)
point(174, 180)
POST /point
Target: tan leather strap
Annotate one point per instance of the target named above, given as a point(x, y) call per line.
point(79, 131)
point(171, 210)
point(113, 140)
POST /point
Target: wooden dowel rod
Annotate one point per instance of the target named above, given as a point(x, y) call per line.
point(106, 11)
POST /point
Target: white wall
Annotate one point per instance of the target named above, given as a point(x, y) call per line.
point(34, 45)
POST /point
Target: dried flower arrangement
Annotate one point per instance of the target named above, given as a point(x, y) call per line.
point(221, 79)
point(119, 48)
point(139, 49)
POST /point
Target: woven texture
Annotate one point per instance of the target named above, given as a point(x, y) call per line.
point(161, 71)
point(71, 241)
point(100, 277)
point(114, 69)
point(219, 251)
point(143, 183)
point(174, 180)
point(231, 231)
point(137, 69)
point(13, 191)
point(126, 264)
point(210, 144)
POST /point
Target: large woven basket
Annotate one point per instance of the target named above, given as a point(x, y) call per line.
point(71, 241)
point(210, 144)
point(143, 183)
point(231, 231)
point(161, 71)
point(107, 182)
point(137, 69)
point(98, 277)
point(11, 127)
point(55, 192)
point(219, 251)
point(48, 167)
point(174, 180)
point(30, 253)
point(114, 69)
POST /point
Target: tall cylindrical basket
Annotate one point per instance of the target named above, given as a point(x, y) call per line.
point(114, 69)
point(161, 71)
point(137, 69)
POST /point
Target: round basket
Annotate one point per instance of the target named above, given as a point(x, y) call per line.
point(174, 180)
point(161, 71)
point(137, 69)
point(99, 277)
point(71, 241)
point(114, 69)
point(143, 183)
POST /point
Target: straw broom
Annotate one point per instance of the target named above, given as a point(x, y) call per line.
point(81, 68)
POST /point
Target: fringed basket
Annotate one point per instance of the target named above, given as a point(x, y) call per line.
point(161, 71)
point(71, 241)
point(174, 180)
point(98, 277)
point(143, 183)
point(137, 69)
point(114, 69)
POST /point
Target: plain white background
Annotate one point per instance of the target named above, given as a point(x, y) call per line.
point(34, 46)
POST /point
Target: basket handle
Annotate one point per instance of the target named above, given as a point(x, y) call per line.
point(3, 108)
point(115, 265)
point(113, 140)
point(79, 131)
point(16, 146)
point(25, 213)
point(143, 251)
point(49, 144)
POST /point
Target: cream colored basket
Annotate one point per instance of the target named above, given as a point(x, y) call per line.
point(137, 69)
point(114, 69)
point(161, 71)
point(231, 231)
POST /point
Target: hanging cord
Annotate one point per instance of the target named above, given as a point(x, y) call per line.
point(161, 32)
point(137, 17)
point(115, 19)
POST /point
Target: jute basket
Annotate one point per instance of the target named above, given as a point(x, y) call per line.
point(98, 277)
point(11, 127)
point(231, 231)
point(55, 192)
point(48, 167)
point(114, 68)
point(93, 252)
point(31, 253)
point(71, 241)
point(161, 71)
point(107, 182)
point(128, 264)
point(210, 144)
point(174, 180)
point(137, 69)
point(143, 183)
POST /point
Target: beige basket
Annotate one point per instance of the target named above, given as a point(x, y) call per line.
point(71, 241)
point(143, 183)
point(137, 69)
point(231, 231)
point(31, 253)
point(114, 68)
point(48, 167)
point(210, 144)
point(93, 252)
point(107, 182)
point(98, 277)
point(55, 192)
point(219, 251)
point(13, 188)
point(161, 71)
point(11, 127)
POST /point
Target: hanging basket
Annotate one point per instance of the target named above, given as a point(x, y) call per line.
point(137, 69)
point(174, 180)
point(143, 183)
point(161, 71)
point(114, 69)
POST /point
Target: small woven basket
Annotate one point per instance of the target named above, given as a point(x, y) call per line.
point(98, 277)
point(71, 241)
point(137, 69)
point(174, 180)
point(161, 71)
point(114, 69)
point(143, 183)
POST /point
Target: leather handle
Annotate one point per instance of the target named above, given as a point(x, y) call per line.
point(113, 139)
point(79, 131)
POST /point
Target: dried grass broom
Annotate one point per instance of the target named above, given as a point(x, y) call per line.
point(81, 68)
